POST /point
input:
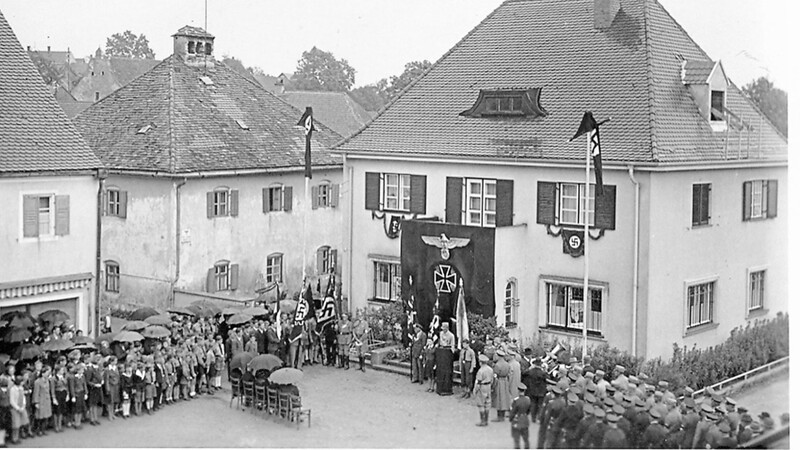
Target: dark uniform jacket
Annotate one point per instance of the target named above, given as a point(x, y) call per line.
point(615, 438)
point(654, 436)
point(519, 412)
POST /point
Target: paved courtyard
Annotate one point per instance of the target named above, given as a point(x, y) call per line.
point(349, 409)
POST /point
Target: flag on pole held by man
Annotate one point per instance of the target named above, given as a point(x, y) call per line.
point(409, 309)
point(462, 324)
point(307, 122)
point(278, 310)
point(589, 125)
point(305, 306)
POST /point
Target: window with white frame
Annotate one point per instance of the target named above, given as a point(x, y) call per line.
point(326, 260)
point(565, 307)
point(113, 206)
point(274, 273)
point(511, 304)
point(324, 194)
point(274, 198)
point(758, 207)
point(112, 276)
point(220, 203)
point(45, 215)
point(386, 284)
point(572, 204)
point(760, 199)
point(481, 202)
point(756, 297)
point(700, 304)
point(397, 192)
point(222, 275)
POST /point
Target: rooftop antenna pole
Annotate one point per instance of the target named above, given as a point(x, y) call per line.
point(205, 15)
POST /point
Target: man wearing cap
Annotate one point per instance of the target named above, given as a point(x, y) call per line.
point(701, 430)
point(593, 438)
point(614, 437)
point(656, 433)
point(417, 354)
point(586, 421)
point(519, 417)
point(547, 432)
point(501, 390)
point(730, 414)
point(537, 386)
point(673, 421)
point(689, 420)
point(767, 422)
point(569, 419)
point(745, 433)
point(466, 360)
point(483, 389)
point(515, 376)
point(601, 383)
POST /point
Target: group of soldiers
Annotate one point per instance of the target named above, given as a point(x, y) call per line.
point(578, 406)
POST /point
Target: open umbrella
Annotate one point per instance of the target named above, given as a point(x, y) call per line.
point(156, 332)
point(83, 347)
point(16, 334)
point(27, 351)
point(54, 316)
point(21, 322)
point(239, 319)
point(240, 360)
point(143, 313)
point(135, 325)
point(57, 345)
point(182, 311)
point(266, 361)
point(256, 311)
point(161, 319)
point(82, 340)
point(286, 375)
point(207, 305)
point(108, 337)
point(200, 311)
point(231, 310)
point(12, 314)
point(128, 336)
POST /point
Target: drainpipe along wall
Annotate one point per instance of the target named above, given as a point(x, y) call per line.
point(177, 187)
point(101, 176)
point(635, 258)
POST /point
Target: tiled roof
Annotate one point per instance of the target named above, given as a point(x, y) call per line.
point(697, 72)
point(106, 75)
point(629, 72)
point(188, 30)
point(193, 126)
point(35, 135)
point(336, 109)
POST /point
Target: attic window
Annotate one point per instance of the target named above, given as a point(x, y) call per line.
point(208, 48)
point(144, 129)
point(507, 103)
point(191, 46)
point(241, 124)
point(207, 80)
point(717, 105)
point(199, 48)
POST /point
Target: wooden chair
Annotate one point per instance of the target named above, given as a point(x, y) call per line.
point(296, 410)
point(260, 397)
point(236, 391)
point(272, 400)
point(248, 394)
point(284, 405)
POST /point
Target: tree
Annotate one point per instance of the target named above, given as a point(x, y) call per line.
point(371, 97)
point(51, 73)
point(412, 71)
point(773, 102)
point(129, 45)
point(319, 70)
point(237, 66)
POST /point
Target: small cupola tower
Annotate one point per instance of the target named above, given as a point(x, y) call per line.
point(195, 46)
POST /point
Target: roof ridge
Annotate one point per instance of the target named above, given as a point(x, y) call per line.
point(651, 95)
point(424, 74)
point(683, 30)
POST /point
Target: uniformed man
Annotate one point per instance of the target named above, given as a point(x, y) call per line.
point(483, 390)
point(360, 331)
point(518, 416)
point(569, 419)
point(614, 437)
point(501, 394)
point(689, 421)
point(745, 433)
point(466, 361)
point(417, 354)
point(345, 337)
point(656, 433)
point(702, 427)
point(593, 438)
point(552, 412)
point(586, 421)
point(601, 383)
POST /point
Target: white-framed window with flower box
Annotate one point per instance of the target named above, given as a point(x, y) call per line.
point(386, 278)
point(700, 296)
point(756, 289)
point(561, 305)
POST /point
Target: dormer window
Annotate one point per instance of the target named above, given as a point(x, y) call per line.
point(507, 102)
point(717, 105)
point(199, 48)
point(191, 46)
point(208, 48)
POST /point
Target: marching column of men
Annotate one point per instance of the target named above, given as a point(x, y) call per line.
point(579, 407)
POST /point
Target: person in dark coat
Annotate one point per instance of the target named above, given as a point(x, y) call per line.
point(518, 416)
point(614, 437)
point(418, 355)
point(569, 419)
point(59, 391)
point(126, 388)
point(78, 395)
point(331, 344)
point(273, 342)
point(537, 386)
point(655, 435)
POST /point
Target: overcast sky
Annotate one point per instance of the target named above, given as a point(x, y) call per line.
point(377, 37)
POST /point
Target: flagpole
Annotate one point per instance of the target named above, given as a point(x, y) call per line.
point(586, 248)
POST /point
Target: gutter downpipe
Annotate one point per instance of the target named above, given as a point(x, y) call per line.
point(177, 238)
point(635, 258)
point(101, 176)
point(350, 232)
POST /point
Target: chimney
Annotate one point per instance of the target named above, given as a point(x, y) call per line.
point(604, 13)
point(194, 46)
point(29, 48)
point(48, 49)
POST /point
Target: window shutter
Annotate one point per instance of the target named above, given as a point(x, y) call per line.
point(418, 194)
point(265, 200)
point(211, 282)
point(314, 197)
point(372, 191)
point(706, 203)
point(546, 202)
point(62, 215)
point(287, 198)
point(453, 198)
point(747, 192)
point(333, 255)
point(30, 216)
point(209, 205)
point(334, 200)
point(234, 199)
point(234, 268)
point(696, 203)
point(104, 199)
point(320, 253)
point(606, 208)
point(123, 204)
point(772, 198)
point(505, 203)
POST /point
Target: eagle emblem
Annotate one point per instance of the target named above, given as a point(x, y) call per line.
point(445, 243)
